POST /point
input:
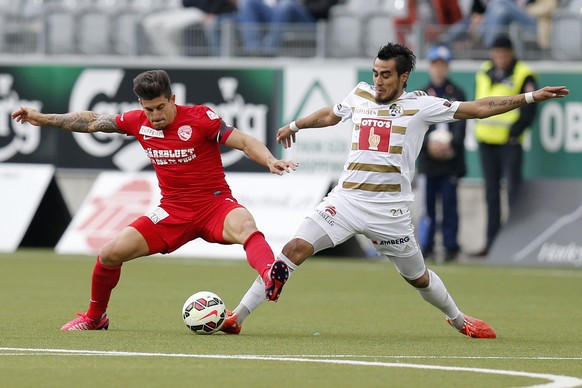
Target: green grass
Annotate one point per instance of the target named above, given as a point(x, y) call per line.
point(346, 310)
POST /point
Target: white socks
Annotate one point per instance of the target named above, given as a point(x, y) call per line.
point(256, 293)
point(437, 295)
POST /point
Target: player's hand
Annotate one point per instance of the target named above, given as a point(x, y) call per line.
point(286, 136)
point(549, 92)
point(280, 166)
point(26, 115)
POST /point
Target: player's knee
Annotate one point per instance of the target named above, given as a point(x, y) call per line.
point(111, 254)
point(297, 250)
point(421, 282)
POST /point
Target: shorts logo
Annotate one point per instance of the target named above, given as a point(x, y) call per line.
point(157, 215)
point(331, 210)
point(327, 214)
point(396, 241)
point(185, 132)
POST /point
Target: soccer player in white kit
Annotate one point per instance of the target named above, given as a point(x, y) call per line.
point(374, 192)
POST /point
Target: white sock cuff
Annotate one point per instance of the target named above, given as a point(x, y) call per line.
point(292, 266)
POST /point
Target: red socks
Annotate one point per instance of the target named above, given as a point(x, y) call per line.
point(259, 254)
point(104, 280)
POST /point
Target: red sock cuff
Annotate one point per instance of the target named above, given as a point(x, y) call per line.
point(251, 237)
point(106, 267)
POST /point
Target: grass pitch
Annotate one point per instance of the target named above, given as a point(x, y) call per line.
point(339, 323)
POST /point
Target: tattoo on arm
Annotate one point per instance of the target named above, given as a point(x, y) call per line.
point(505, 102)
point(83, 122)
point(317, 123)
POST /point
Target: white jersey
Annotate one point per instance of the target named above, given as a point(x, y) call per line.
point(386, 140)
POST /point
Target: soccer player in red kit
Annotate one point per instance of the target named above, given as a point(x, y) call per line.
point(182, 143)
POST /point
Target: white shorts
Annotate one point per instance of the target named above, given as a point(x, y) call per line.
point(388, 225)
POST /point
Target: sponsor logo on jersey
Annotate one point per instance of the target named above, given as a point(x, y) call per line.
point(149, 133)
point(185, 132)
point(375, 134)
point(164, 157)
point(211, 115)
point(395, 110)
point(447, 103)
point(366, 111)
point(396, 241)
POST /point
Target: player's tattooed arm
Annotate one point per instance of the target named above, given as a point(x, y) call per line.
point(83, 122)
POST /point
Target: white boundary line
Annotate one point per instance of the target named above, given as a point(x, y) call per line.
point(556, 381)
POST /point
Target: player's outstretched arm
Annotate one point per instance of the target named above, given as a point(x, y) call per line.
point(73, 122)
point(322, 118)
point(491, 106)
point(258, 152)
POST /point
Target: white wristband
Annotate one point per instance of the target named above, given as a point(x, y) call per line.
point(293, 126)
point(529, 97)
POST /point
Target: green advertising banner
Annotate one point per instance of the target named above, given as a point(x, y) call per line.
point(245, 98)
point(554, 149)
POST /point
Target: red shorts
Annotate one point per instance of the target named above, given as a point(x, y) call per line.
point(168, 228)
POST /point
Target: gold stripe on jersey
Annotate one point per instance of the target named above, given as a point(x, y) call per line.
point(392, 149)
point(373, 167)
point(398, 129)
point(372, 187)
point(419, 92)
point(410, 112)
point(366, 95)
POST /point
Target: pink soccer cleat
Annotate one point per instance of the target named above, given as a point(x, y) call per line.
point(83, 322)
point(230, 326)
point(476, 328)
point(278, 276)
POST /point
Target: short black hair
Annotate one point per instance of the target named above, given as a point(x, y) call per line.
point(152, 84)
point(402, 55)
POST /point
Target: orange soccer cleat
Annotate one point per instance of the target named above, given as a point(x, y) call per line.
point(83, 322)
point(475, 328)
point(230, 326)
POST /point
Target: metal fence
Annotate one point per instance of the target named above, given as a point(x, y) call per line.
point(110, 28)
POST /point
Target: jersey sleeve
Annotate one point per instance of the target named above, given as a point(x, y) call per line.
point(344, 109)
point(128, 122)
point(439, 110)
point(212, 124)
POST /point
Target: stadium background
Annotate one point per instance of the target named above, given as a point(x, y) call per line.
point(257, 95)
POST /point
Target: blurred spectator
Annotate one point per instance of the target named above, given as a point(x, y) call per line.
point(217, 12)
point(500, 14)
point(468, 27)
point(441, 163)
point(276, 13)
point(490, 18)
point(500, 138)
point(165, 27)
point(543, 10)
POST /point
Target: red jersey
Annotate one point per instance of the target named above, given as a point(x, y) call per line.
point(185, 154)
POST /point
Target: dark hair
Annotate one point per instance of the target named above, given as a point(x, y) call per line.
point(402, 55)
point(152, 84)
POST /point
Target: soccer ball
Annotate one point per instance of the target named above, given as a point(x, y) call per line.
point(204, 312)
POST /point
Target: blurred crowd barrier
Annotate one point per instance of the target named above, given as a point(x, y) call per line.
point(354, 29)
